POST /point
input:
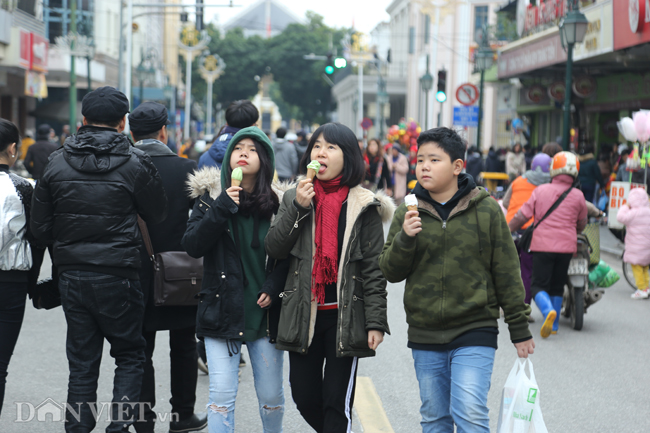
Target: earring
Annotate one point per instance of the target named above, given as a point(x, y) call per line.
point(13, 156)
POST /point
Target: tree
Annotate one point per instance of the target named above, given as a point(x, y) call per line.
point(300, 81)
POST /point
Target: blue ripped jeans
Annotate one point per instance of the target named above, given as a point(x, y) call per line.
point(267, 364)
point(454, 387)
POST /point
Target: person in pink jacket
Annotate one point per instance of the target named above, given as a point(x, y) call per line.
point(555, 239)
point(399, 168)
point(636, 217)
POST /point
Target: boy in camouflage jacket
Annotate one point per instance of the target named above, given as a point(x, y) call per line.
point(460, 264)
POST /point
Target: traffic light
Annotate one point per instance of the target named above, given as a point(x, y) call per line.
point(329, 68)
point(441, 94)
point(340, 63)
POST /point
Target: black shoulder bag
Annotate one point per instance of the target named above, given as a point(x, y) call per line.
point(527, 236)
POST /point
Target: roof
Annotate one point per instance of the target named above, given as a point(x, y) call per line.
point(254, 17)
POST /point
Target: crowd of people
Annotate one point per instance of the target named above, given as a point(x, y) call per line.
point(294, 264)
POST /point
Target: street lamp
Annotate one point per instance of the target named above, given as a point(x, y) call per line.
point(483, 62)
point(146, 73)
point(426, 81)
point(573, 28)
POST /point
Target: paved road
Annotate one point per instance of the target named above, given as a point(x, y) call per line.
point(594, 380)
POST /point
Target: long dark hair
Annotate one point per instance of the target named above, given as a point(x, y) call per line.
point(8, 134)
point(263, 200)
point(353, 166)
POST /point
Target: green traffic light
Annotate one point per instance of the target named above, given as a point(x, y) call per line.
point(329, 70)
point(441, 96)
point(340, 62)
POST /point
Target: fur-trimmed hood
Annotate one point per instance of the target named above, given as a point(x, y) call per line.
point(208, 179)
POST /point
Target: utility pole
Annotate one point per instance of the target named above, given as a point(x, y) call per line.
point(73, 74)
point(129, 54)
point(190, 44)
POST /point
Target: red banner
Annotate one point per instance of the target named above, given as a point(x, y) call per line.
point(631, 23)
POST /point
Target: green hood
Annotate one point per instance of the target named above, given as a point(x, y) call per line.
point(254, 133)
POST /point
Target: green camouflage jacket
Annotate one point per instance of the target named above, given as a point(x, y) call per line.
point(458, 273)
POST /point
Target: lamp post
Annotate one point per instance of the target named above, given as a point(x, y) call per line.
point(573, 28)
point(191, 42)
point(426, 81)
point(146, 70)
point(211, 66)
point(484, 60)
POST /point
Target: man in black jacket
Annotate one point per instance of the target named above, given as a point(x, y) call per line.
point(39, 152)
point(148, 128)
point(86, 204)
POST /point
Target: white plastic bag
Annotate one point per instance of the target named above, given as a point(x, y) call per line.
point(520, 409)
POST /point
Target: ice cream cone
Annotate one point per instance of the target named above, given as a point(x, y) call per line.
point(312, 168)
point(412, 207)
point(311, 173)
point(236, 182)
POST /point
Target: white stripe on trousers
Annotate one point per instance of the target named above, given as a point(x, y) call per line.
point(348, 395)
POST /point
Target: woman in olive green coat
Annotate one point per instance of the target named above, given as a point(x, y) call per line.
point(334, 301)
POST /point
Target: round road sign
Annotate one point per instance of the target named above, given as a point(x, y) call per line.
point(467, 94)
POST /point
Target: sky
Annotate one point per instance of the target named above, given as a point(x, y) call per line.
point(365, 14)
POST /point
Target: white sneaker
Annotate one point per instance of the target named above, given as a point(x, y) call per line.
point(640, 294)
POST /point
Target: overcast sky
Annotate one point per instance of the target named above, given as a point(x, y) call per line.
point(365, 14)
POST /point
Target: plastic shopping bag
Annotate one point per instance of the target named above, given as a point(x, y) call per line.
point(520, 409)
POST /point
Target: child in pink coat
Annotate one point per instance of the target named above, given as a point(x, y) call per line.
point(636, 217)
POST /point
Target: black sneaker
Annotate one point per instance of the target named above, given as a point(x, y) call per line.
point(196, 422)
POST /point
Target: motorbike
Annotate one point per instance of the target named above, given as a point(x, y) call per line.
point(578, 295)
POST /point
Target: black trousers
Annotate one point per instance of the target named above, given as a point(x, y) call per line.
point(550, 273)
point(324, 401)
point(12, 310)
point(183, 371)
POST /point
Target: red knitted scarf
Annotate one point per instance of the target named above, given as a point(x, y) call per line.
point(329, 199)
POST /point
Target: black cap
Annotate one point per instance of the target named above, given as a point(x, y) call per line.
point(43, 130)
point(148, 117)
point(105, 104)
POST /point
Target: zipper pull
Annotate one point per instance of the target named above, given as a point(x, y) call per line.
point(444, 224)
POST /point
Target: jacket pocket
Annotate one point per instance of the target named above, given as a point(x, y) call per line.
point(289, 330)
point(358, 332)
point(211, 311)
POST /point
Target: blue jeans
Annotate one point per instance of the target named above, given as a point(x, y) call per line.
point(454, 388)
point(223, 366)
point(97, 307)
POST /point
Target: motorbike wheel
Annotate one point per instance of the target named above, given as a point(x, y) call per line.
point(578, 307)
point(566, 301)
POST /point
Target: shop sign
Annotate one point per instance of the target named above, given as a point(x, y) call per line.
point(535, 93)
point(617, 199)
point(557, 91)
point(35, 84)
point(631, 23)
point(599, 37)
point(584, 86)
point(33, 51)
point(539, 54)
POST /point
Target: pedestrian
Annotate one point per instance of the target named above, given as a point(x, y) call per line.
point(529, 154)
point(15, 249)
point(334, 302)
point(148, 125)
point(515, 162)
point(460, 265)
point(239, 114)
point(492, 162)
point(26, 143)
point(239, 294)
point(87, 204)
point(301, 144)
point(413, 162)
point(551, 148)
point(518, 193)
point(377, 175)
point(65, 133)
point(39, 152)
point(555, 238)
point(589, 175)
point(286, 160)
point(635, 215)
point(474, 163)
point(399, 168)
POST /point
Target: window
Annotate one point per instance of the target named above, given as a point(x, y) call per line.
point(411, 40)
point(427, 28)
point(480, 19)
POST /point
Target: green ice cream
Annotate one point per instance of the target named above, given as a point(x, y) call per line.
point(237, 174)
point(314, 165)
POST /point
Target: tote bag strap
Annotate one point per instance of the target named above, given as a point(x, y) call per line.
point(146, 237)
